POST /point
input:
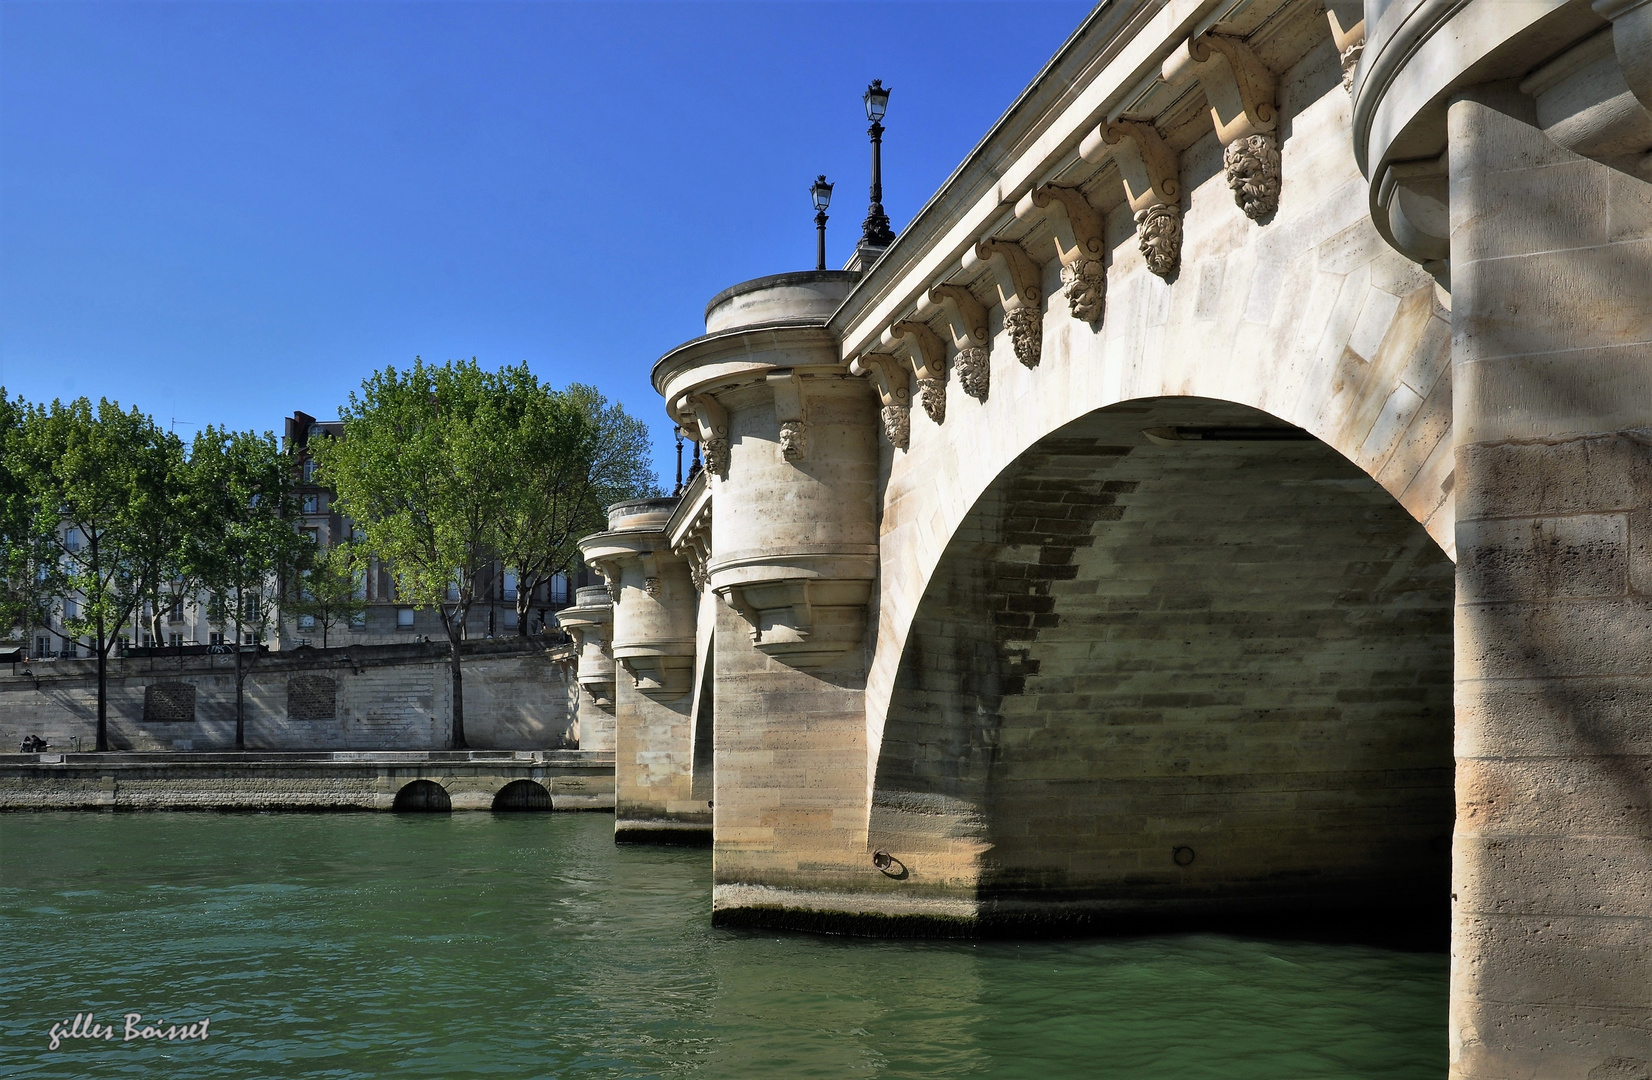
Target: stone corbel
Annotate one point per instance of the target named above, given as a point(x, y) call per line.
point(967, 319)
point(1152, 184)
point(889, 377)
point(928, 363)
point(1083, 274)
point(791, 410)
point(711, 420)
point(610, 572)
point(1347, 19)
point(1240, 90)
point(1016, 277)
point(1415, 197)
point(1632, 42)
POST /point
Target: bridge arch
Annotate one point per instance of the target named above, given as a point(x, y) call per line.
point(522, 795)
point(1177, 655)
point(423, 796)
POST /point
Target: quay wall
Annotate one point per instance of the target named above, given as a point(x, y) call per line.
point(519, 694)
point(572, 780)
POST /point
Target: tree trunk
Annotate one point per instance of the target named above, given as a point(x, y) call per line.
point(240, 712)
point(454, 625)
point(103, 687)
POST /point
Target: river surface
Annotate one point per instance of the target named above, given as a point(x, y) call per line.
point(528, 945)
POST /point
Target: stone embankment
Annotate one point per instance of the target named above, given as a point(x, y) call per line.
point(519, 695)
point(337, 780)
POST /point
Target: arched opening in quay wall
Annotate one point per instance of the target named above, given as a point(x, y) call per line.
point(519, 795)
point(423, 796)
point(1180, 662)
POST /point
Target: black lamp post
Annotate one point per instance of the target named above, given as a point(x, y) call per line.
point(822, 195)
point(678, 490)
point(876, 232)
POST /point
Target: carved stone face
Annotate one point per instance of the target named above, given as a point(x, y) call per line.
point(716, 451)
point(974, 367)
point(933, 393)
point(1159, 231)
point(1084, 284)
point(794, 440)
point(1253, 174)
point(897, 424)
point(1026, 330)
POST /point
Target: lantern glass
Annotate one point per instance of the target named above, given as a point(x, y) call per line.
point(821, 193)
point(876, 99)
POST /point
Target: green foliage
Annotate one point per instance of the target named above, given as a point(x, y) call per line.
point(97, 485)
point(242, 545)
point(331, 587)
point(576, 454)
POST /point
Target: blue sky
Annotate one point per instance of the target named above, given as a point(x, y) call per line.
point(223, 212)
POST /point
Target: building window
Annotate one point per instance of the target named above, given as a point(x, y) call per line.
point(404, 618)
point(72, 540)
point(312, 504)
point(71, 610)
point(309, 470)
point(559, 589)
point(358, 620)
point(40, 645)
point(510, 586)
point(176, 640)
point(511, 620)
point(312, 535)
point(215, 638)
point(148, 640)
point(306, 622)
point(176, 612)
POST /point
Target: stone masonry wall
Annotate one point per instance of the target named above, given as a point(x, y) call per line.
point(389, 697)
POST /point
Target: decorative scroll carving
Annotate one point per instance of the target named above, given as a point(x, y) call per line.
point(1084, 284)
point(1240, 90)
point(1083, 274)
point(1159, 229)
point(794, 440)
point(790, 409)
point(1026, 330)
point(890, 379)
point(974, 366)
point(1151, 184)
point(1350, 43)
point(1253, 173)
point(928, 363)
point(1238, 86)
point(711, 419)
point(1016, 277)
point(967, 321)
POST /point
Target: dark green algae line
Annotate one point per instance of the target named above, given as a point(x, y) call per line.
point(365, 945)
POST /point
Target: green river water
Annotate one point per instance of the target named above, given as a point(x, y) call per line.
point(528, 945)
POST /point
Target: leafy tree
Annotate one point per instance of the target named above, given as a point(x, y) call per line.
point(423, 468)
point(576, 455)
point(331, 588)
point(245, 546)
point(96, 484)
point(25, 553)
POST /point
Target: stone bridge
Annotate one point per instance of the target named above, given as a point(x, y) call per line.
point(1228, 498)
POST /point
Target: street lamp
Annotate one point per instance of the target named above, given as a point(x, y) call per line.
point(821, 193)
point(875, 232)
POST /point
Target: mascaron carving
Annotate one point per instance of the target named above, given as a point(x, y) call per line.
point(1350, 63)
point(716, 453)
point(1026, 330)
point(1084, 284)
point(794, 440)
point(1253, 173)
point(933, 394)
point(974, 367)
point(1159, 228)
point(897, 424)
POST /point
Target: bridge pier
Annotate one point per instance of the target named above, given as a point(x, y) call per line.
point(1551, 272)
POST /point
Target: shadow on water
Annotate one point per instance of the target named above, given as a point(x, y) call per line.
point(366, 945)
